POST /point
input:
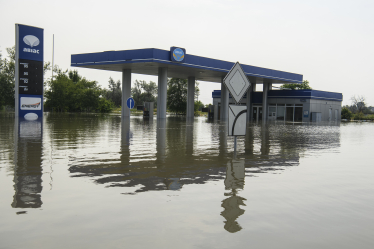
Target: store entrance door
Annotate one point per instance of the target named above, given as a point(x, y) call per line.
point(256, 113)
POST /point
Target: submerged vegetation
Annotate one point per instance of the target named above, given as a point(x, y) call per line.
point(71, 92)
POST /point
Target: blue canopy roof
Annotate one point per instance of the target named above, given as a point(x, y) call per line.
point(148, 60)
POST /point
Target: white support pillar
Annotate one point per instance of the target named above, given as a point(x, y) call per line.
point(265, 101)
point(224, 101)
point(215, 112)
point(249, 100)
point(126, 92)
point(190, 97)
point(162, 92)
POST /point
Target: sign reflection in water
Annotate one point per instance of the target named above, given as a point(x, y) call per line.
point(28, 161)
point(234, 182)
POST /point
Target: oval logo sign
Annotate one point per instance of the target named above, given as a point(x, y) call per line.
point(178, 54)
point(31, 116)
point(31, 40)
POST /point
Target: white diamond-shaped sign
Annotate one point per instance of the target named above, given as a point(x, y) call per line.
point(236, 82)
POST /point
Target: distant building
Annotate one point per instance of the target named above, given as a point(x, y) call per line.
point(289, 105)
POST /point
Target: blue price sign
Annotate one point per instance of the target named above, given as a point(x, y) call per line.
point(29, 72)
point(130, 103)
point(30, 42)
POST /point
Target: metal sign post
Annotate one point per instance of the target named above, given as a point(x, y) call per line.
point(237, 83)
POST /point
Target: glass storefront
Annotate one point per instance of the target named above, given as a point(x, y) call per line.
point(289, 112)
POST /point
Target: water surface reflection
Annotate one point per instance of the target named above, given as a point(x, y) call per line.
point(234, 182)
point(135, 181)
point(28, 164)
point(163, 154)
point(145, 155)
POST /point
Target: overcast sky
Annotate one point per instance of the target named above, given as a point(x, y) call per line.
point(331, 43)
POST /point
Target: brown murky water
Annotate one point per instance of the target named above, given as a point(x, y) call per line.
point(94, 181)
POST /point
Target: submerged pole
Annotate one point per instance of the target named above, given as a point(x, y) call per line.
point(234, 143)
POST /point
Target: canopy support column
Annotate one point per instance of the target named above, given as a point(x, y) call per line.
point(224, 101)
point(126, 92)
point(162, 92)
point(191, 97)
point(267, 84)
point(249, 100)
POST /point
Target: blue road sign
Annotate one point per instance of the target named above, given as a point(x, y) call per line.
point(130, 103)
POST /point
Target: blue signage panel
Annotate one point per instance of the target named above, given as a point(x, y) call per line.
point(29, 72)
point(30, 40)
point(130, 103)
point(177, 54)
point(30, 106)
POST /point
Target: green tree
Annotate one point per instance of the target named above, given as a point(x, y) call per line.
point(197, 90)
point(136, 92)
point(359, 116)
point(294, 86)
point(71, 92)
point(358, 104)
point(144, 92)
point(7, 80)
point(149, 93)
point(198, 106)
point(114, 93)
point(177, 95)
point(74, 76)
point(346, 113)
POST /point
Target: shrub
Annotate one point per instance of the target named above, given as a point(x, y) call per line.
point(346, 113)
point(105, 105)
point(359, 116)
point(369, 117)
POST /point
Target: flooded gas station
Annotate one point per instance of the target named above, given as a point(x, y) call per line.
point(277, 169)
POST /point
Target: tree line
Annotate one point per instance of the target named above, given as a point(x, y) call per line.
point(70, 92)
point(358, 110)
point(7, 81)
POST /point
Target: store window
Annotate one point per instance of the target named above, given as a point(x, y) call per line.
point(280, 112)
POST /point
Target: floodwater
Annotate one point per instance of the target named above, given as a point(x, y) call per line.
point(94, 181)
